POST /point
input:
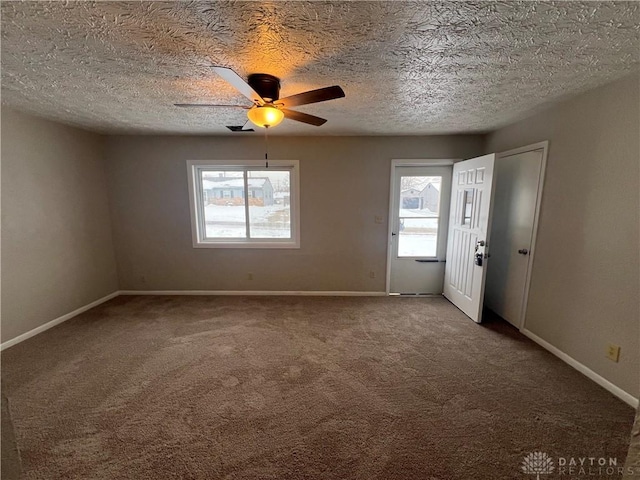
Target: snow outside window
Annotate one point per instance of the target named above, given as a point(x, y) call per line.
point(419, 216)
point(244, 204)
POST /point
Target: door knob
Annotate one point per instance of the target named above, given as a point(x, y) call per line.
point(523, 251)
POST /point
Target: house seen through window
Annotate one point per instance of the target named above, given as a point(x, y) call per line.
point(419, 216)
point(244, 205)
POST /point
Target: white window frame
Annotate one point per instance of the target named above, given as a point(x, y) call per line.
point(195, 201)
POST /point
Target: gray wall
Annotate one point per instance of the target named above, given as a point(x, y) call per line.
point(344, 185)
point(57, 249)
point(585, 281)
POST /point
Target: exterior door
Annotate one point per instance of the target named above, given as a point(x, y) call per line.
point(516, 193)
point(419, 215)
point(468, 238)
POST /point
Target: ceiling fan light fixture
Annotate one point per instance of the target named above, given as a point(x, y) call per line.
point(265, 116)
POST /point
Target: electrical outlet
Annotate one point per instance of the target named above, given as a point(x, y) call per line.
point(378, 219)
point(372, 274)
point(249, 276)
point(613, 352)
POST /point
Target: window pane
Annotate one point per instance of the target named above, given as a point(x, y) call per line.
point(418, 237)
point(269, 203)
point(223, 198)
point(420, 196)
point(467, 207)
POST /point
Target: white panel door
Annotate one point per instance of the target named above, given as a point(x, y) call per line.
point(517, 179)
point(468, 239)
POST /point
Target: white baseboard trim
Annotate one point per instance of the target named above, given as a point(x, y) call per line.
point(603, 382)
point(56, 321)
point(309, 293)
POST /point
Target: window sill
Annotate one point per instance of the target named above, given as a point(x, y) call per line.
point(244, 244)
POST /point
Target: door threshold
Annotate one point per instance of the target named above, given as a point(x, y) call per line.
point(415, 294)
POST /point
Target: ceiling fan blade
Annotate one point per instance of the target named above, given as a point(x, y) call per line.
point(312, 96)
point(248, 127)
point(236, 81)
point(303, 117)
point(189, 105)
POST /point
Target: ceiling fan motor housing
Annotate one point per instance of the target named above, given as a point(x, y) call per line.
point(265, 85)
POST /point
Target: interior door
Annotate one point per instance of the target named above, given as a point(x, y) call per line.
point(419, 216)
point(468, 236)
point(517, 179)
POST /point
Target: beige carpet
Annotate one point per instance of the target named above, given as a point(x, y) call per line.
point(297, 388)
point(632, 467)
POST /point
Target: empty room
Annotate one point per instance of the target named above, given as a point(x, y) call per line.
point(320, 240)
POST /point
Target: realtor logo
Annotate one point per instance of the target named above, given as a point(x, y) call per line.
point(537, 463)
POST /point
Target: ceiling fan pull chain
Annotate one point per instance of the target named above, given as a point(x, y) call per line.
point(266, 147)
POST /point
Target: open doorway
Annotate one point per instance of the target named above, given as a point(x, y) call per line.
point(419, 211)
point(484, 232)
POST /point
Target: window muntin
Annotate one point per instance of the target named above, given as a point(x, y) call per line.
point(244, 204)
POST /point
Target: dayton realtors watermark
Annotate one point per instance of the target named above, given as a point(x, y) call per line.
point(591, 466)
point(541, 464)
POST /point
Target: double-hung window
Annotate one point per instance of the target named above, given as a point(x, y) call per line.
point(244, 204)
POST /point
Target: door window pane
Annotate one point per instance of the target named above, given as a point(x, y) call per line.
point(269, 203)
point(223, 198)
point(420, 196)
point(467, 207)
point(418, 237)
point(419, 216)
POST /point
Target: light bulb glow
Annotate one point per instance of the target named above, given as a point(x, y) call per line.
point(265, 116)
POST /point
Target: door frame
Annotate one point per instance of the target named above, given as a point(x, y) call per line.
point(544, 146)
point(417, 162)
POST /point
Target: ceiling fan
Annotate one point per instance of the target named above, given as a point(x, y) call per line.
point(268, 109)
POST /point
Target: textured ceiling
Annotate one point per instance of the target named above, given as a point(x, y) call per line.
point(406, 67)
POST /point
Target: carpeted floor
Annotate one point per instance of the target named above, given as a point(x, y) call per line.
point(297, 388)
point(632, 466)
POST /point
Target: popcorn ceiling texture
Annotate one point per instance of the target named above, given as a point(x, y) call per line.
point(406, 67)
